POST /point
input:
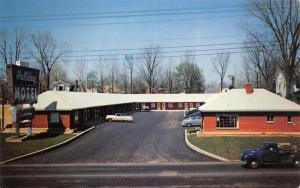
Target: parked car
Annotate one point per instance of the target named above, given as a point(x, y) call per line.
point(269, 153)
point(190, 111)
point(145, 109)
point(119, 117)
point(193, 115)
point(192, 122)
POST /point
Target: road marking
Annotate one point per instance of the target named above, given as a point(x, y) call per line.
point(121, 164)
point(162, 174)
point(168, 173)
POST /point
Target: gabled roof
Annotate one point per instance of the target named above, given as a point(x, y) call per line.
point(237, 100)
point(60, 82)
point(65, 101)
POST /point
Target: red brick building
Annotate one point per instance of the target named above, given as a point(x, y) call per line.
point(250, 111)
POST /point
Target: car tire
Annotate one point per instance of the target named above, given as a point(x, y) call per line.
point(188, 125)
point(253, 164)
point(110, 120)
point(296, 163)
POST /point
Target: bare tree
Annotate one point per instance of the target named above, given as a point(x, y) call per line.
point(170, 77)
point(47, 54)
point(113, 77)
point(220, 64)
point(11, 46)
point(149, 67)
point(101, 69)
point(280, 18)
point(80, 72)
point(190, 75)
point(130, 61)
point(263, 57)
point(59, 73)
point(247, 69)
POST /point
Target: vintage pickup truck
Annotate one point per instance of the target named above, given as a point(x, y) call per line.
point(270, 153)
point(119, 117)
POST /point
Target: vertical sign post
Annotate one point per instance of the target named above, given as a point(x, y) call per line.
point(23, 83)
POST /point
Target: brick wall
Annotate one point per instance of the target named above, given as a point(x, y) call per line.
point(41, 120)
point(255, 123)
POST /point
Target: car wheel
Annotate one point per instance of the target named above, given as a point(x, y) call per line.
point(253, 164)
point(296, 163)
point(188, 125)
point(110, 120)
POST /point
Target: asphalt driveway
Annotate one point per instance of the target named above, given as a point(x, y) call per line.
point(154, 137)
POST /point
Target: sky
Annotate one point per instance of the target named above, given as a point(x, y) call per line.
point(107, 27)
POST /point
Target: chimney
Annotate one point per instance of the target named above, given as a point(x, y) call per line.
point(248, 87)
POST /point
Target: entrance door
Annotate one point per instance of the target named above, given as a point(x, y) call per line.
point(186, 105)
point(163, 105)
point(158, 106)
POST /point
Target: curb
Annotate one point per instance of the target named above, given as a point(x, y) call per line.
point(190, 145)
point(48, 148)
point(167, 110)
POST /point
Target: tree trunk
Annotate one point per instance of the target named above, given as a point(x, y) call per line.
point(48, 81)
point(221, 85)
point(288, 88)
point(131, 81)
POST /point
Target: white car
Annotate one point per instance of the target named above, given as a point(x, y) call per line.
point(192, 122)
point(119, 117)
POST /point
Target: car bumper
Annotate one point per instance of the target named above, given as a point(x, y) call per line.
point(243, 163)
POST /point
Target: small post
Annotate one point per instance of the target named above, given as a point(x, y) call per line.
point(2, 87)
point(29, 130)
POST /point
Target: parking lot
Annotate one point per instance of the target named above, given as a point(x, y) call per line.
point(153, 137)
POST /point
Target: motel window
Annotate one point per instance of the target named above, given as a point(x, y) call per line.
point(270, 118)
point(289, 119)
point(180, 105)
point(170, 105)
point(153, 105)
point(227, 121)
point(54, 117)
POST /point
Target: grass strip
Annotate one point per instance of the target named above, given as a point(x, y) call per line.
point(36, 142)
point(230, 147)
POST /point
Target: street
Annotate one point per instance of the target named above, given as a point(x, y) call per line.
point(206, 174)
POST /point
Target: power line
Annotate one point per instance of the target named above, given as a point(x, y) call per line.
point(134, 22)
point(168, 56)
point(163, 52)
point(167, 47)
point(164, 39)
point(122, 14)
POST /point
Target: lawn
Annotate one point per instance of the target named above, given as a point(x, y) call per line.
point(230, 147)
point(35, 143)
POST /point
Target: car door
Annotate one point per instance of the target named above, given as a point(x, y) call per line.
point(198, 121)
point(118, 117)
point(271, 155)
point(194, 121)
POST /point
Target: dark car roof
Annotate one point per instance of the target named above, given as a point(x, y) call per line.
point(268, 142)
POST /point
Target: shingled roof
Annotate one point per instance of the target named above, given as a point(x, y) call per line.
point(260, 100)
point(66, 101)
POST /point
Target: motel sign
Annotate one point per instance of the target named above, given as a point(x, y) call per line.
point(23, 84)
